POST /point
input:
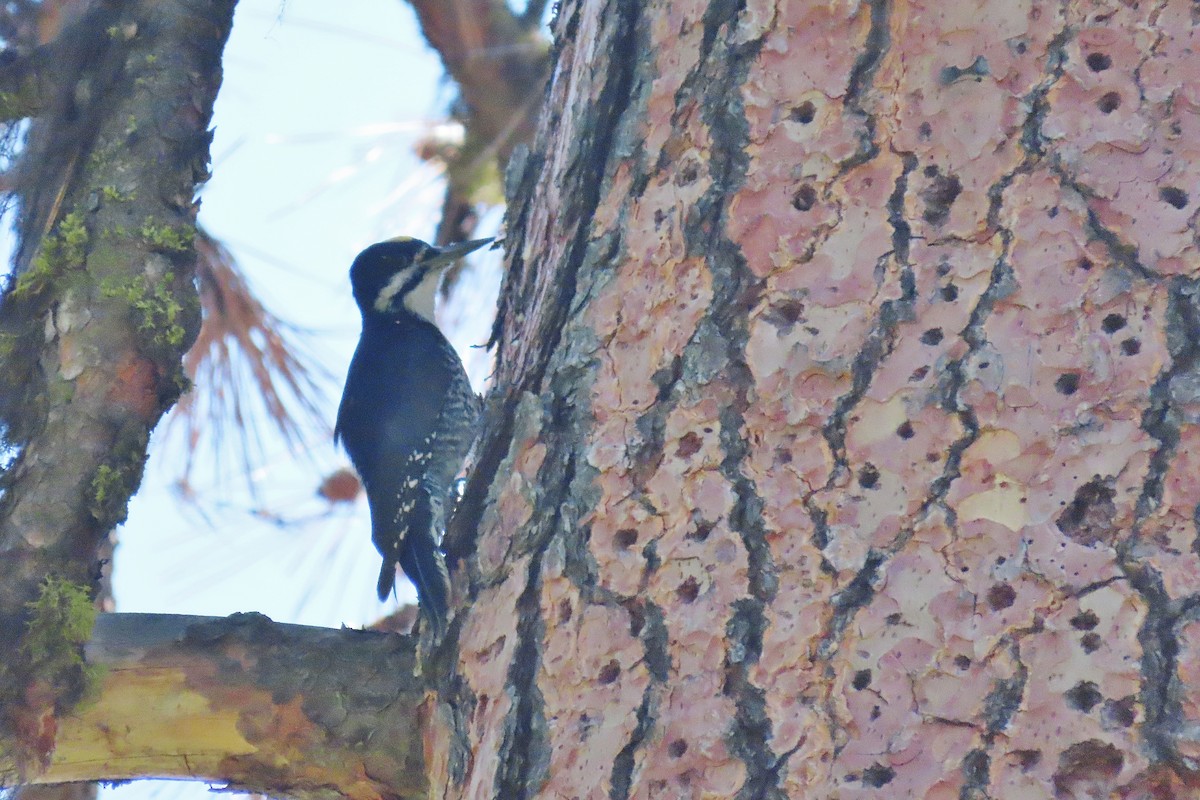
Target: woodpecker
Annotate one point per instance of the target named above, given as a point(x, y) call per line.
point(408, 414)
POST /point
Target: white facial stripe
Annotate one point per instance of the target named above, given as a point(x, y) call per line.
point(384, 300)
point(420, 300)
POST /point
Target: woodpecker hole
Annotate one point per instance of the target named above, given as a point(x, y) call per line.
point(1119, 713)
point(1052, 212)
point(894, 619)
point(1131, 346)
point(868, 476)
point(1001, 596)
point(941, 193)
point(949, 293)
point(701, 532)
point(1088, 769)
point(1085, 621)
point(905, 431)
point(1112, 323)
point(925, 131)
point(930, 171)
point(565, 611)
point(1173, 196)
point(932, 336)
point(1089, 517)
point(804, 198)
point(878, 775)
point(1028, 759)
point(803, 113)
point(1085, 264)
point(609, 672)
point(1098, 62)
point(962, 662)
point(625, 538)
point(689, 444)
point(1067, 383)
point(689, 590)
point(1108, 102)
point(1090, 642)
point(918, 374)
point(786, 313)
point(1084, 696)
point(862, 679)
point(677, 748)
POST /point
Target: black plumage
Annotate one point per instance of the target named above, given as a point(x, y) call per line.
point(408, 414)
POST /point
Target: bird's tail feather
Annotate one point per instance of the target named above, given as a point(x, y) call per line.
point(426, 568)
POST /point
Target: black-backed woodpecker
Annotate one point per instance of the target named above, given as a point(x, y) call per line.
point(408, 414)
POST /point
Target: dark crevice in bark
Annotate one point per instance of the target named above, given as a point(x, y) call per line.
point(1031, 131)
point(859, 83)
point(1158, 635)
point(524, 749)
point(623, 764)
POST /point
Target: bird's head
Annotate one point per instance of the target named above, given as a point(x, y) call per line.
point(402, 275)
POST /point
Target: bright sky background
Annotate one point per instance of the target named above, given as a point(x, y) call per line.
point(313, 160)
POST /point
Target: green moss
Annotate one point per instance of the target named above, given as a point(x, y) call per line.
point(155, 303)
point(64, 247)
point(60, 623)
point(105, 484)
point(166, 237)
point(116, 195)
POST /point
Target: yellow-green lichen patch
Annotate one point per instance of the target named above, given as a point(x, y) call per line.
point(155, 303)
point(167, 238)
point(60, 623)
point(65, 247)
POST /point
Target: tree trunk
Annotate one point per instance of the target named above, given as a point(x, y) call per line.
point(840, 439)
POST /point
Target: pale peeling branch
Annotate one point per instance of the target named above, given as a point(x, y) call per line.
point(246, 702)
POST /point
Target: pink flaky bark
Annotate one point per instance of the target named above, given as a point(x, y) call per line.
point(850, 402)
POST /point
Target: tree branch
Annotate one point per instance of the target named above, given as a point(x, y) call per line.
point(244, 701)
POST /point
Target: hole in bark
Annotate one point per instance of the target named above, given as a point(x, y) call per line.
point(878, 775)
point(925, 130)
point(862, 679)
point(637, 618)
point(609, 672)
point(1001, 596)
point(803, 113)
point(1085, 264)
point(677, 748)
point(565, 611)
point(918, 374)
point(1098, 62)
point(785, 313)
point(932, 336)
point(1067, 383)
point(1052, 212)
point(1173, 196)
point(905, 431)
point(894, 619)
point(1108, 102)
point(1112, 323)
point(1085, 621)
point(689, 590)
point(1131, 346)
point(804, 198)
point(868, 476)
point(1090, 642)
point(625, 538)
point(689, 444)
point(688, 174)
point(1084, 696)
point(1088, 769)
point(703, 529)
point(939, 196)
point(949, 293)
point(962, 662)
point(1028, 759)
point(1089, 518)
point(1119, 713)
point(931, 171)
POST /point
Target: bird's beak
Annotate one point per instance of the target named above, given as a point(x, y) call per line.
point(441, 257)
